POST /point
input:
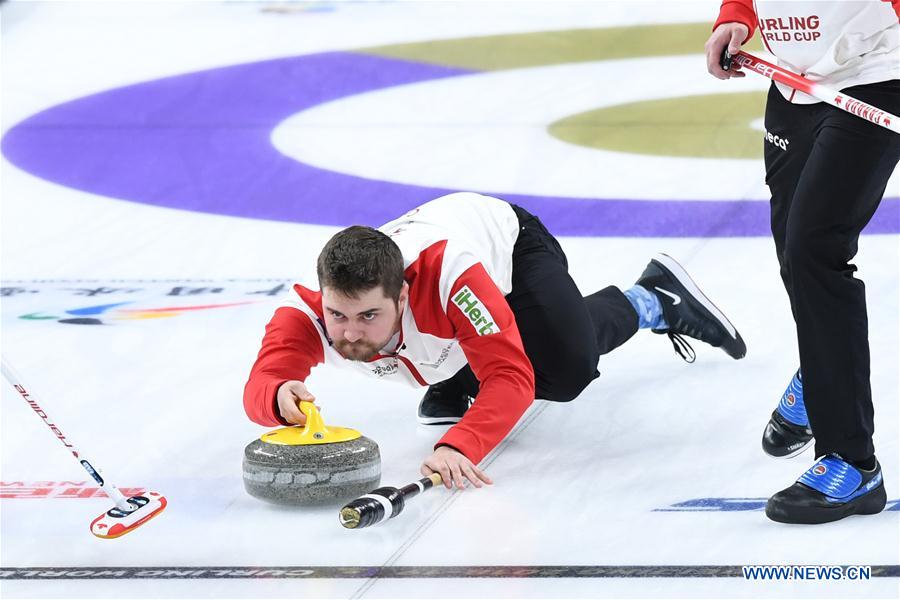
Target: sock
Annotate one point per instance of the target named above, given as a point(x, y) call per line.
point(867, 464)
point(647, 307)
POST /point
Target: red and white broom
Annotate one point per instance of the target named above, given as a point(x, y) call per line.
point(833, 97)
point(129, 513)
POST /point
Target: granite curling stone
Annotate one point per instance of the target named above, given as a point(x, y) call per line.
point(311, 464)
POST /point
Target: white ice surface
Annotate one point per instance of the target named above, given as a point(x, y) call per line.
point(500, 118)
point(156, 402)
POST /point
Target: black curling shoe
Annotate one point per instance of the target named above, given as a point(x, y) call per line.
point(443, 404)
point(687, 311)
point(829, 491)
point(788, 433)
point(783, 439)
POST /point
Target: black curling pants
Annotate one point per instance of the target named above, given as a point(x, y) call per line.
point(564, 333)
point(827, 171)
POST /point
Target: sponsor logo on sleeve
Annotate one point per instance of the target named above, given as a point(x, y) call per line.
point(476, 311)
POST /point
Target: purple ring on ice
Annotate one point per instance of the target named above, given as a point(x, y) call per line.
point(201, 142)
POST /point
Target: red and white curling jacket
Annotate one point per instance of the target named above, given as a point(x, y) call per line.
point(457, 256)
point(839, 43)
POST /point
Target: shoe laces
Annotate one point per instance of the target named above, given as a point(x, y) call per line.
point(682, 348)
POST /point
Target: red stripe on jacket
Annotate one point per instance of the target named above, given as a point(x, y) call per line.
point(423, 277)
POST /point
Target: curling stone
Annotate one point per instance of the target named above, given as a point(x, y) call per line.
point(311, 464)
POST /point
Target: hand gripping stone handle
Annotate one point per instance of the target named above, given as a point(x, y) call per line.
point(835, 98)
point(383, 503)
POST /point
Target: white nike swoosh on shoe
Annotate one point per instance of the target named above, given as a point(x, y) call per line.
point(684, 279)
point(676, 299)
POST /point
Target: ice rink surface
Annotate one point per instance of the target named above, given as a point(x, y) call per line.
point(144, 249)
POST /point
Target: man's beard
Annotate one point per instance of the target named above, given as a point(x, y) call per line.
point(359, 351)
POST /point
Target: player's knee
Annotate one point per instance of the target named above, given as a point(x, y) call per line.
point(805, 248)
point(571, 381)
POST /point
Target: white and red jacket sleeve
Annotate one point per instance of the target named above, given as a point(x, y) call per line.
point(486, 329)
point(290, 349)
point(738, 11)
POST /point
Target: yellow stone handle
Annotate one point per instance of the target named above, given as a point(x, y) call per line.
point(313, 432)
point(315, 426)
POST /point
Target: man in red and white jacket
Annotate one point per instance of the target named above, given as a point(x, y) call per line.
point(471, 296)
point(827, 171)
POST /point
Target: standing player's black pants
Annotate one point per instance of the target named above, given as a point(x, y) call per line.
point(564, 333)
point(827, 171)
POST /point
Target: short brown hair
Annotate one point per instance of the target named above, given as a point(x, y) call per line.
point(358, 259)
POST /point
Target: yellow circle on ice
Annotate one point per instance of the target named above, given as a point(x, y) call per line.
point(709, 126)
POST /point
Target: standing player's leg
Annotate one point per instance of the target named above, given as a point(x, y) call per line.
point(839, 190)
point(790, 134)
